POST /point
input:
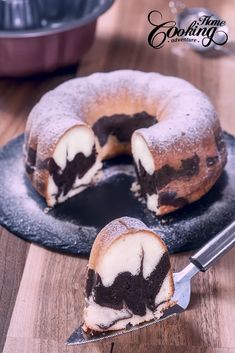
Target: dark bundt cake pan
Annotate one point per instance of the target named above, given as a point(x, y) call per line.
point(35, 40)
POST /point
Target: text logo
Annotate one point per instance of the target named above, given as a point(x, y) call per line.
point(205, 31)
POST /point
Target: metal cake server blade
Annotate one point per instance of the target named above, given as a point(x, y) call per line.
point(201, 261)
point(80, 337)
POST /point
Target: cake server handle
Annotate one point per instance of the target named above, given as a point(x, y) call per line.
point(215, 248)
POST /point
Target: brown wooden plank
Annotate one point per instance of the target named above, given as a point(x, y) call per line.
point(13, 253)
point(43, 346)
point(51, 287)
point(17, 97)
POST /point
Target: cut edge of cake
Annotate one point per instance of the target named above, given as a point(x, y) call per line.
point(130, 280)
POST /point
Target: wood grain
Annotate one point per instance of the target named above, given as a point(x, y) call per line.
point(17, 97)
point(41, 291)
point(11, 269)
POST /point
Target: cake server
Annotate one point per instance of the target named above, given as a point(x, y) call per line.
point(201, 261)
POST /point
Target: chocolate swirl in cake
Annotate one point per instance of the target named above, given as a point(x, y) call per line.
point(63, 178)
point(78, 167)
point(152, 184)
point(121, 126)
point(134, 291)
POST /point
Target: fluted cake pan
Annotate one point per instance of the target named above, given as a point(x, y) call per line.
point(59, 38)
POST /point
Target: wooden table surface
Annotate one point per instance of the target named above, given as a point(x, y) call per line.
point(41, 292)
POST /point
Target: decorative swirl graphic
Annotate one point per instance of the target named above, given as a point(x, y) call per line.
point(205, 31)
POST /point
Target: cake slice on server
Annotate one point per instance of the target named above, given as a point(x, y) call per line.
point(129, 277)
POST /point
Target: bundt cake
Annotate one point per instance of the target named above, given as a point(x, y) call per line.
point(170, 126)
point(129, 277)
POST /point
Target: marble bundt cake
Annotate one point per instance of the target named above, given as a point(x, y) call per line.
point(129, 277)
point(170, 126)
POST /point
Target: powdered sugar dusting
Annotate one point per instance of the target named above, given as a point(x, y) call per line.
point(118, 227)
point(185, 115)
point(179, 106)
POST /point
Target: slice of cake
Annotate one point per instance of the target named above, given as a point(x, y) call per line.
point(129, 277)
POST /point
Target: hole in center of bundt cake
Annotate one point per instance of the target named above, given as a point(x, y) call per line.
point(72, 169)
point(115, 131)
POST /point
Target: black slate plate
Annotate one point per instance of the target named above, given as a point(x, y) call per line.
point(72, 226)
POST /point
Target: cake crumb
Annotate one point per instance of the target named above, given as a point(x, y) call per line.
point(47, 210)
point(135, 188)
point(98, 177)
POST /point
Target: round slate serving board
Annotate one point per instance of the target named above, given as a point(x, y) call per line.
point(73, 226)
